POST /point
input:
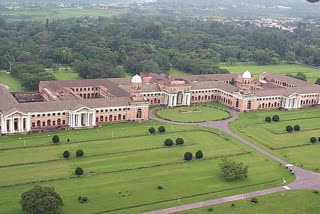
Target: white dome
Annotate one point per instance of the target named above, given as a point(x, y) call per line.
point(136, 79)
point(246, 75)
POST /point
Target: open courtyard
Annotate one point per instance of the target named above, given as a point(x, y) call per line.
point(123, 162)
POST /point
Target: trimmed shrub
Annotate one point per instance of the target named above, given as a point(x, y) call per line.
point(296, 128)
point(268, 119)
point(162, 129)
point(254, 200)
point(289, 128)
point(188, 156)
point(79, 198)
point(79, 153)
point(319, 139)
point(275, 118)
point(313, 140)
point(210, 209)
point(160, 187)
point(179, 141)
point(84, 199)
point(56, 139)
point(66, 154)
point(68, 140)
point(168, 142)
point(199, 154)
point(79, 171)
point(152, 130)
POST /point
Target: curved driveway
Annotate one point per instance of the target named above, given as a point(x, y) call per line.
point(304, 179)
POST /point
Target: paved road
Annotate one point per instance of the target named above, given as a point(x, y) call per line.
point(304, 179)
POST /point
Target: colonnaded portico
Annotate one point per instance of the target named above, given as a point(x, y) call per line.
point(16, 122)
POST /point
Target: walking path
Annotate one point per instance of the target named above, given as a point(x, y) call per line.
point(304, 179)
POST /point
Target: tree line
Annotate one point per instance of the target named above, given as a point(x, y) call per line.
point(109, 47)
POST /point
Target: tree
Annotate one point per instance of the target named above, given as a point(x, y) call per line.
point(313, 139)
point(199, 154)
point(41, 200)
point(79, 153)
point(188, 156)
point(168, 142)
point(289, 128)
point(66, 154)
point(296, 128)
point(275, 118)
point(319, 139)
point(299, 76)
point(268, 119)
point(151, 130)
point(233, 82)
point(79, 171)
point(179, 141)
point(290, 57)
point(161, 129)
point(55, 139)
point(231, 170)
point(317, 81)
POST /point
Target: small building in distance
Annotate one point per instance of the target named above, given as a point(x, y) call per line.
point(72, 104)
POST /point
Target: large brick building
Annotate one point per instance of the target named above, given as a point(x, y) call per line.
point(88, 103)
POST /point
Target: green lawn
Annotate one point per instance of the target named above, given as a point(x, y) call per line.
point(123, 166)
point(311, 73)
point(299, 201)
point(13, 84)
point(175, 72)
point(192, 114)
point(294, 147)
point(65, 74)
point(59, 13)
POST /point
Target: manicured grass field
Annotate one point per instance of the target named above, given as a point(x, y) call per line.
point(294, 147)
point(65, 74)
point(298, 201)
point(284, 69)
point(13, 84)
point(192, 114)
point(123, 166)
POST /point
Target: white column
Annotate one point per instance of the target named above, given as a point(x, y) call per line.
point(93, 119)
point(3, 126)
point(79, 120)
point(175, 100)
point(20, 124)
point(11, 125)
point(28, 124)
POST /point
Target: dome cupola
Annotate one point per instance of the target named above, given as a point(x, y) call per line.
point(136, 79)
point(247, 75)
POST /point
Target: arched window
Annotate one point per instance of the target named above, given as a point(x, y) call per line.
point(139, 113)
point(249, 104)
point(101, 118)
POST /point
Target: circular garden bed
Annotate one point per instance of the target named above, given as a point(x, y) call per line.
point(193, 114)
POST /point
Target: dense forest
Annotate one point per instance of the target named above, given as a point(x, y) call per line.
point(133, 43)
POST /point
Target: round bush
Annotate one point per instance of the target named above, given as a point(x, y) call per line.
point(188, 156)
point(313, 139)
point(66, 154)
point(168, 142)
point(162, 129)
point(56, 139)
point(151, 130)
point(319, 139)
point(179, 141)
point(275, 118)
point(296, 128)
point(85, 199)
point(79, 171)
point(79, 153)
point(268, 119)
point(289, 128)
point(254, 200)
point(199, 154)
